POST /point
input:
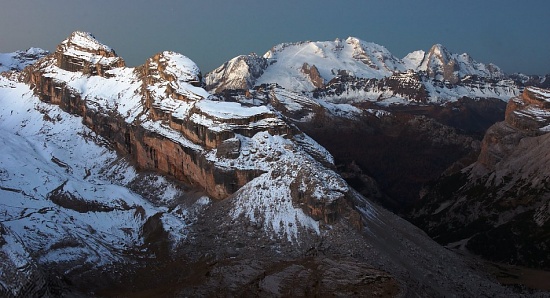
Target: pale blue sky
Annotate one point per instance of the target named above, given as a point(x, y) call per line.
point(509, 33)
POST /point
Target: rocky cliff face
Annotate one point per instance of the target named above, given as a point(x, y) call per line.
point(498, 206)
point(151, 149)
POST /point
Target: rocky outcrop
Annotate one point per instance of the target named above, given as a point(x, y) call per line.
point(313, 74)
point(526, 115)
point(82, 52)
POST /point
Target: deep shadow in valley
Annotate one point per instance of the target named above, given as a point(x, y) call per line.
point(406, 149)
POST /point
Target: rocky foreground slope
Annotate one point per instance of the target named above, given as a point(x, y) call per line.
point(136, 181)
point(498, 207)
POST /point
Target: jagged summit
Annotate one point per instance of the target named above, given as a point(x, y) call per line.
point(82, 52)
point(441, 64)
point(86, 42)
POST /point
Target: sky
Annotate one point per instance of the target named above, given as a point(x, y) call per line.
point(512, 34)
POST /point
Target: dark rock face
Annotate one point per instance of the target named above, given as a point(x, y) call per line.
point(499, 205)
point(229, 148)
point(21, 277)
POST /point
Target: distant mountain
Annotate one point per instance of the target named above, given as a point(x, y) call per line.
point(137, 181)
point(288, 65)
point(442, 65)
point(20, 59)
point(318, 66)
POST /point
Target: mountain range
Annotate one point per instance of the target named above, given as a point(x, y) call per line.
point(262, 178)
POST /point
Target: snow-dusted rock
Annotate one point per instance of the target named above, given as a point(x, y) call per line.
point(20, 59)
point(441, 65)
point(83, 53)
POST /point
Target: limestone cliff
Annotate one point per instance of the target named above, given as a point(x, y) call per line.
point(159, 114)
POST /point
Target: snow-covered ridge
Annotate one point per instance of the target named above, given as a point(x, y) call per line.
point(174, 90)
point(240, 72)
point(331, 58)
point(284, 65)
point(179, 67)
point(230, 110)
point(20, 59)
point(413, 87)
point(160, 115)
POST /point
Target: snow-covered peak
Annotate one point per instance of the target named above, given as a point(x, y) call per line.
point(179, 67)
point(170, 74)
point(240, 72)
point(375, 55)
point(441, 64)
point(331, 58)
point(414, 59)
point(83, 41)
point(441, 52)
point(437, 57)
point(20, 59)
